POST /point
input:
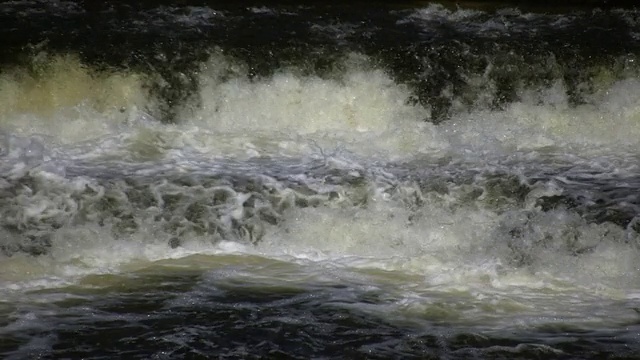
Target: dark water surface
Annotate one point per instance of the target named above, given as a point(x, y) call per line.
point(317, 180)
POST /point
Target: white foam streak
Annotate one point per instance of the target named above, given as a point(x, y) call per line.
point(362, 112)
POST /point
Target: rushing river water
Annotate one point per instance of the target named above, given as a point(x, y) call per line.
point(318, 181)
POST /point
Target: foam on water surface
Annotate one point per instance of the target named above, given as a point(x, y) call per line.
point(363, 112)
point(518, 213)
point(362, 115)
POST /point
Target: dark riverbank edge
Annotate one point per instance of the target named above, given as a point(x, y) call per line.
point(486, 5)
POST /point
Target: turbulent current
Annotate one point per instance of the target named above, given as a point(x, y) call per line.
point(192, 180)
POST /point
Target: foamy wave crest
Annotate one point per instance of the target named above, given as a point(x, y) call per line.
point(362, 110)
point(543, 119)
point(60, 97)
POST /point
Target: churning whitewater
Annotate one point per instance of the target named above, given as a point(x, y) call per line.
point(190, 181)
